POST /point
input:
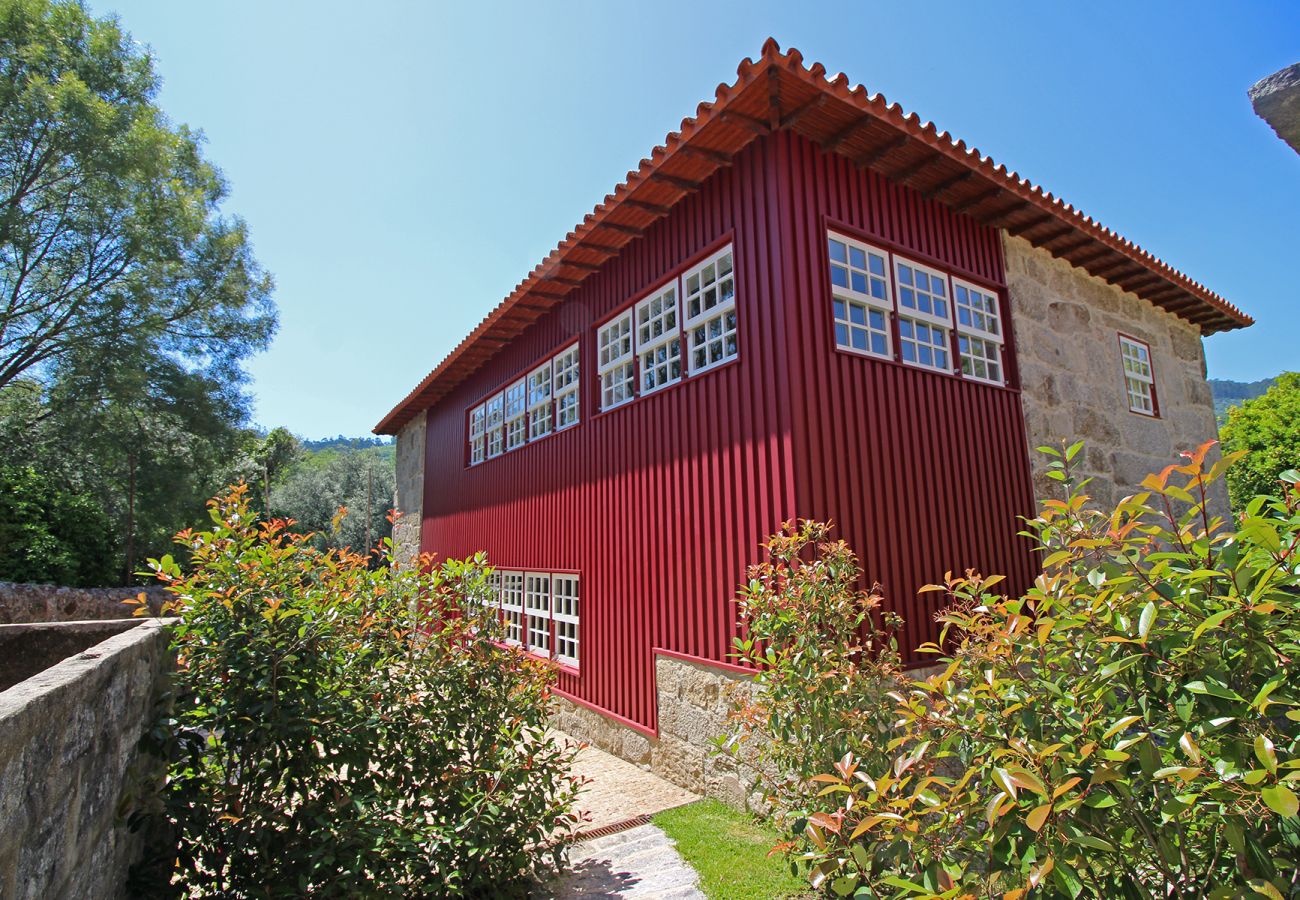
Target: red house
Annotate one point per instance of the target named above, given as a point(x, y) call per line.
point(805, 303)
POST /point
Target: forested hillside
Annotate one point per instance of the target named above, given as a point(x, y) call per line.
point(1231, 393)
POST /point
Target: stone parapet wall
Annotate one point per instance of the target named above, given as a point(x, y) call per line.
point(51, 603)
point(70, 762)
point(408, 497)
point(1066, 325)
point(694, 702)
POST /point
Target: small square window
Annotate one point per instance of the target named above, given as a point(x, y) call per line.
point(710, 299)
point(1139, 377)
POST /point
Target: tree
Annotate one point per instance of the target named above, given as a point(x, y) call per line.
point(111, 237)
point(1268, 430)
point(49, 534)
point(357, 480)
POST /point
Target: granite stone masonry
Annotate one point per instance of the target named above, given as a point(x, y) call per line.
point(71, 768)
point(408, 497)
point(1067, 325)
point(694, 701)
point(51, 603)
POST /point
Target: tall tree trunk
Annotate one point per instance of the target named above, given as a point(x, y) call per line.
point(130, 517)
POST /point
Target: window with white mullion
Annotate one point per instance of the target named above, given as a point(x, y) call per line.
point(516, 414)
point(495, 419)
point(565, 612)
point(512, 607)
point(709, 297)
point(616, 362)
point(924, 316)
point(659, 339)
point(1139, 378)
point(565, 387)
point(860, 296)
point(477, 430)
point(979, 332)
point(537, 612)
point(540, 414)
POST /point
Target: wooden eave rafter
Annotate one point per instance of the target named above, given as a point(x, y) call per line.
point(777, 91)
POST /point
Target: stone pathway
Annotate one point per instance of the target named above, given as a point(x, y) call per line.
point(637, 862)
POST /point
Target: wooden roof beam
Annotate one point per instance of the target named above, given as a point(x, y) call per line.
point(773, 98)
point(1056, 235)
point(1077, 244)
point(1088, 258)
point(685, 184)
point(998, 217)
point(631, 230)
point(655, 208)
point(790, 119)
point(947, 183)
point(717, 156)
point(1030, 224)
point(978, 200)
point(573, 264)
point(880, 151)
point(607, 249)
point(832, 143)
point(907, 173)
point(758, 126)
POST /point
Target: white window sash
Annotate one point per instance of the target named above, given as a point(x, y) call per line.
point(848, 293)
point(537, 608)
point(909, 312)
point(996, 314)
point(563, 619)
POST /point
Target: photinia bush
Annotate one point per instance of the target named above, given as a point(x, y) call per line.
point(1128, 728)
point(349, 732)
point(819, 643)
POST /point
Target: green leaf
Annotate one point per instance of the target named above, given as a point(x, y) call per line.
point(1119, 665)
point(1147, 619)
point(1213, 689)
point(1282, 800)
point(1260, 886)
point(1213, 621)
point(900, 882)
point(1265, 754)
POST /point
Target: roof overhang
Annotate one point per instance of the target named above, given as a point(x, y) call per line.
point(778, 91)
point(1277, 101)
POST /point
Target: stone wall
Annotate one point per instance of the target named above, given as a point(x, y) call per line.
point(51, 603)
point(1066, 325)
point(70, 766)
point(694, 701)
point(409, 495)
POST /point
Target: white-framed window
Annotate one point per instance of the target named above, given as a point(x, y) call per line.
point(924, 316)
point(537, 612)
point(495, 418)
point(477, 425)
point(709, 297)
point(565, 612)
point(659, 339)
point(923, 344)
point(860, 295)
point(616, 362)
point(516, 418)
point(979, 332)
point(539, 402)
point(512, 607)
point(1139, 377)
point(565, 387)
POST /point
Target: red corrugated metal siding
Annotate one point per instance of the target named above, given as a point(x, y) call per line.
point(661, 504)
point(924, 473)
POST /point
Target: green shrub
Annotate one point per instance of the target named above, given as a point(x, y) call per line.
point(819, 644)
point(1125, 729)
point(347, 732)
point(50, 534)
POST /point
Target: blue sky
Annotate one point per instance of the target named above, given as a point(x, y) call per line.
point(403, 165)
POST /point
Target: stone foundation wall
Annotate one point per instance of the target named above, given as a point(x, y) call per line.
point(408, 498)
point(694, 701)
point(50, 603)
point(1066, 326)
point(70, 765)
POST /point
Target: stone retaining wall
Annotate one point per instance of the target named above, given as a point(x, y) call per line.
point(70, 767)
point(1066, 326)
point(694, 701)
point(52, 603)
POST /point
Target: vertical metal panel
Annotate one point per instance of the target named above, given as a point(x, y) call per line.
point(924, 473)
point(661, 504)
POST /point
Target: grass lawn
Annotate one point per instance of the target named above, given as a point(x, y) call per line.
point(729, 850)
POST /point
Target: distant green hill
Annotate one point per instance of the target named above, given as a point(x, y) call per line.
point(346, 443)
point(1231, 393)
